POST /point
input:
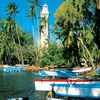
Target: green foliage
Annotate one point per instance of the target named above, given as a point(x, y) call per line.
point(10, 53)
point(16, 46)
point(2, 40)
point(29, 54)
point(32, 12)
point(53, 56)
point(12, 9)
point(74, 27)
point(35, 2)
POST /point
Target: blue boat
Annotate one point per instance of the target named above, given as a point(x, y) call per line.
point(61, 73)
point(13, 69)
point(91, 89)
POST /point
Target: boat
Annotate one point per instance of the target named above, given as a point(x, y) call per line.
point(69, 87)
point(58, 73)
point(82, 70)
point(45, 84)
point(80, 89)
point(13, 69)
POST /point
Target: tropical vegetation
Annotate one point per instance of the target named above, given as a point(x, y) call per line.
point(74, 26)
point(77, 26)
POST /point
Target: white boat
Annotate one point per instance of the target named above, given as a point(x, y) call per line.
point(13, 69)
point(57, 73)
point(45, 84)
point(73, 87)
point(84, 90)
point(82, 70)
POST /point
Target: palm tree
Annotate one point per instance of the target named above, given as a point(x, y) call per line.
point(32, 14)
point(35, 4)
point(9, 26)
point(80, 39)
point(12, 10)
point(12, 26)
point(17, 32)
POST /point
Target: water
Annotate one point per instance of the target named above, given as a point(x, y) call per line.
point(19, 85)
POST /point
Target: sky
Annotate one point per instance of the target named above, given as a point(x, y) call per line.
point(24, 21)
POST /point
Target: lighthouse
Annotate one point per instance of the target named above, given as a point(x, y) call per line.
point(44, 27)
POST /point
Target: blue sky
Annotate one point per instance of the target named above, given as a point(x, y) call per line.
point(25, 22)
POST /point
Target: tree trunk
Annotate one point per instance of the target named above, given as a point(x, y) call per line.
point(38, 28)
point(89, 55)
point(98, 4)
point(16, 47)
point(22, 60)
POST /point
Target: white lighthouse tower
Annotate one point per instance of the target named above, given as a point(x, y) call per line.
point(44, 33)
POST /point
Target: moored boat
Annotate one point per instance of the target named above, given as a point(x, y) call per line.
point(13, 69)
point(58, 73)
point(70, 87)
point(87, 89)
point(45, 84)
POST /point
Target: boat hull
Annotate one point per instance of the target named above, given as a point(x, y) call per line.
point(45, 84)
point(58, 73)
point(78, 90)
point(14, 69)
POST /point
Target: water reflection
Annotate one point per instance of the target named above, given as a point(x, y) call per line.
point(16, 85)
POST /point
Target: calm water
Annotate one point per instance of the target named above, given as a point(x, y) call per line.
point(15, 85)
